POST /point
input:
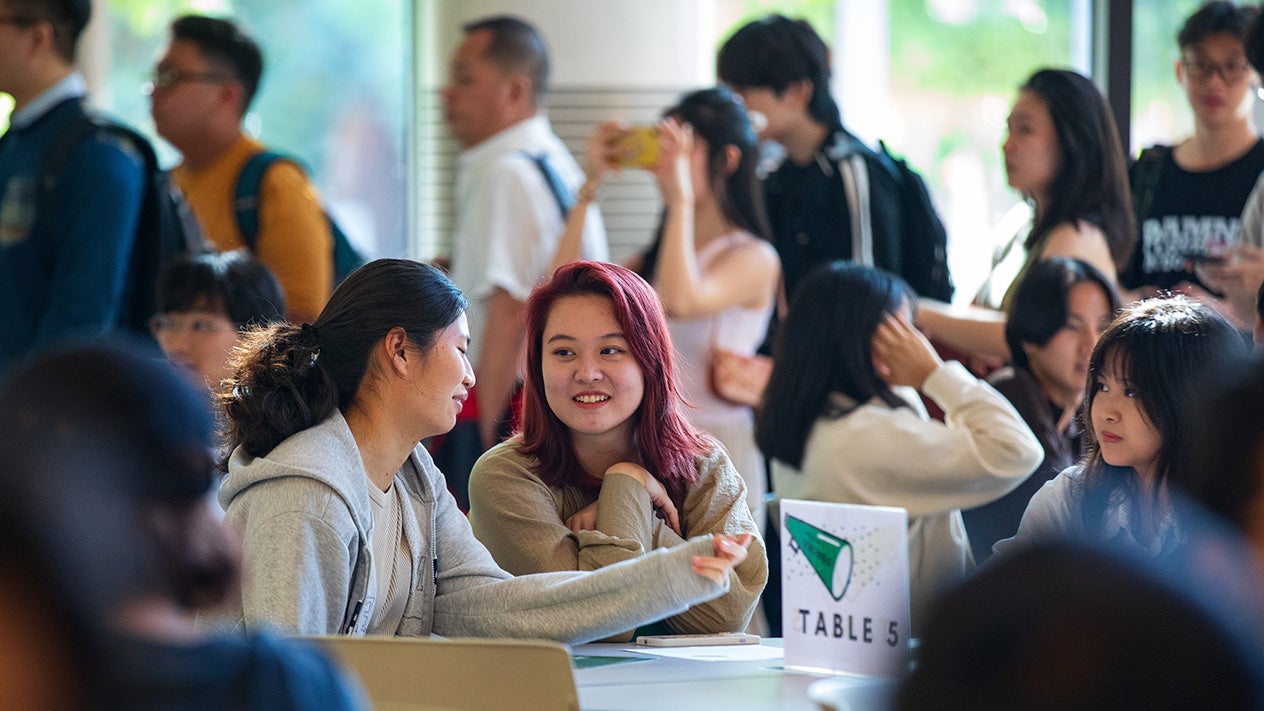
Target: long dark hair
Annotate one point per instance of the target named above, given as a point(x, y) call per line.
point(1092, 179)
point(289, 377)
point(822, 348)
point(665, 438)
point(1160, 348)
point(719, 117)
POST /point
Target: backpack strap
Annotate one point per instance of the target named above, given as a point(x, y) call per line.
point(56, 156)
point(560, 195)
point(1147, 177)
point(856, 185)
point(246, 194)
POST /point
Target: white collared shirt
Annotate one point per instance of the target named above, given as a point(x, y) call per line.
point(507, 219)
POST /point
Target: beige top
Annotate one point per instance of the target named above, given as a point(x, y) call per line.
point(522, 521)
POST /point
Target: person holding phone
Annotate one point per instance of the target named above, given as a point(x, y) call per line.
point(1189, 198)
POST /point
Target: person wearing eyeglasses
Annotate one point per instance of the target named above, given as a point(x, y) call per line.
point(1188, 198)
point(66, 234)
point(204, 83)
point(205, 302)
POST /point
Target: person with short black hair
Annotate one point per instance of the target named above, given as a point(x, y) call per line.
point(205, 302)
point(65, 252)
point(206, 79)
point(1058, 313)
point(781, 69)
point(1189, 198)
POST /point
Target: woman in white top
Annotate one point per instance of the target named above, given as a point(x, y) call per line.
point(711, 264)
point(842, 421)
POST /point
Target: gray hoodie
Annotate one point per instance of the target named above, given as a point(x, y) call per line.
point(304, 516)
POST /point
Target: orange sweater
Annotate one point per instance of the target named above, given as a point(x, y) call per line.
point(294, 239)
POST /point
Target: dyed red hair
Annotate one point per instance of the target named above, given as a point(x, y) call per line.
point(668, 443)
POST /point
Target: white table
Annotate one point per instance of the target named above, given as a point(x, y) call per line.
point(665, 684)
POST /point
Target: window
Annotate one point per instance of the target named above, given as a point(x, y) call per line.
point(335, 93)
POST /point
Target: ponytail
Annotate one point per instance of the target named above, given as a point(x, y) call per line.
point(288, 378)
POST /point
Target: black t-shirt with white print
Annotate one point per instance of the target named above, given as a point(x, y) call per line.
point(1189, 213)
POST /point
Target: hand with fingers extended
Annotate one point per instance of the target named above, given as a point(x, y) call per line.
point(901, 354)
point(663, 506)
point(675, 148)
point(728, 553)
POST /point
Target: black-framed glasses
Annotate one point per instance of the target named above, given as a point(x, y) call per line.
point(169, 77)
point(1229, 72)
point(194, 323)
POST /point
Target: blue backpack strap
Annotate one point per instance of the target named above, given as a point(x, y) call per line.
point(246, 194)
point(564, 201)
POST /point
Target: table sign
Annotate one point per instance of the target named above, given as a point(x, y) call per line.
point(845, 587)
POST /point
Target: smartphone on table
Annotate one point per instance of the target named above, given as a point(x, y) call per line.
point(696, 640)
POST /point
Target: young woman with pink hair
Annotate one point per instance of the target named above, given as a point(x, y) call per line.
point(606, 467)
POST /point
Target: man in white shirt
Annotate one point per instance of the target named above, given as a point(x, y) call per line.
point(508, 215)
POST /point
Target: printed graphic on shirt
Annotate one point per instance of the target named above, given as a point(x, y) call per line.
point(1168, 242)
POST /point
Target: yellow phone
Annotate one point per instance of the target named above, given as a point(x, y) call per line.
point(638, 148)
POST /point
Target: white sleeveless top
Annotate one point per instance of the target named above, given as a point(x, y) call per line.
point(740, 330)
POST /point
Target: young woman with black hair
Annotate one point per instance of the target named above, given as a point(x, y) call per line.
point(1142, 378)
point(1063, 153)
point(1058, 313)
point(841, 419)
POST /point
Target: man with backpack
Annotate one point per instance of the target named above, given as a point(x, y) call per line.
point(829, 196)
point(64, 260)
point(205, 80)
point(515, 183)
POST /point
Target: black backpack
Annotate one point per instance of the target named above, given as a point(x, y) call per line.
point(246, 207)
point(166, 227)
point(924, 242)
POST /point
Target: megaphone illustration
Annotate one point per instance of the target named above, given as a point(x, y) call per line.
point(830, 556)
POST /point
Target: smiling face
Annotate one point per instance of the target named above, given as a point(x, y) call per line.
point(592, 383)
point(442, 379)
point(1031, 147)
point(1201, 72)
point(1061, 364)
point(1124, 432)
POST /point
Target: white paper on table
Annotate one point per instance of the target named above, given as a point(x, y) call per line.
point(716, 653)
